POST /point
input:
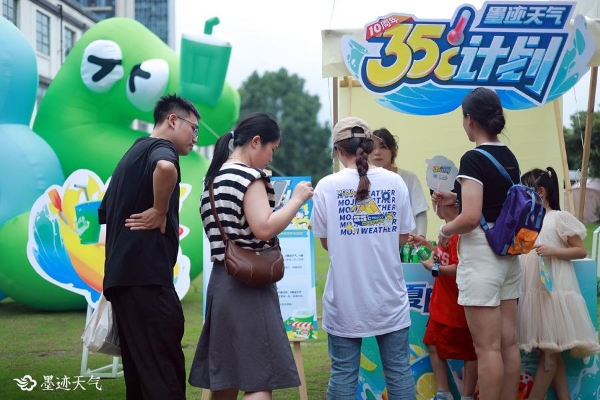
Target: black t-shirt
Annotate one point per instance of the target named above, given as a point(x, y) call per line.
point(144, 257)
point(477, 166)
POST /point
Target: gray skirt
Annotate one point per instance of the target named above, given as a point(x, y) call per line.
point(243, 343)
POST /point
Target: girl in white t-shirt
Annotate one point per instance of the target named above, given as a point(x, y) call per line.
point(384, 155)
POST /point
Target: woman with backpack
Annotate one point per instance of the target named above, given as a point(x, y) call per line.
point(489, 285)
point(553, 315)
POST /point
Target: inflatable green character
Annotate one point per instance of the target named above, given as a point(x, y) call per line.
point(112, 77)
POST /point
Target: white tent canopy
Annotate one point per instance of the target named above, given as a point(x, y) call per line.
point(591, 209)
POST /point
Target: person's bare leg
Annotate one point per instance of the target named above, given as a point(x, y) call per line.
point(264, 395)
point(560, 379)
point(225, 394)
point(470, 378)
point(439, 369)
point(543, 376)
point(485, 326)
point(511, 357)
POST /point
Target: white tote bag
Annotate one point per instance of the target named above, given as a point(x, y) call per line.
point(100, 334)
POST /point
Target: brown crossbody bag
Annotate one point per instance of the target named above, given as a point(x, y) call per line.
point(253, 267)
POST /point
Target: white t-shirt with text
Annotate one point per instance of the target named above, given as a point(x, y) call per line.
point(365, 292)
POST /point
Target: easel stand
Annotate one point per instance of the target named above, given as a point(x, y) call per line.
point(297, 350)
point(114, 370)
point(300, 366)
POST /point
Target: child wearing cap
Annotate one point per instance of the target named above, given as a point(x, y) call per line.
point(447, 335)
point(361, 215)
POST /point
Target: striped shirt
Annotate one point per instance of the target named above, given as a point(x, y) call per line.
point(229, 187)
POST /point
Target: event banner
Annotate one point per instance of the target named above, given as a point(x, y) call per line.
point(526, 51)
point(297, 290)
point(583, 374)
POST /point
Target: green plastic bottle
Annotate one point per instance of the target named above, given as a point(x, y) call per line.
point(423, 253)
point(405, 253)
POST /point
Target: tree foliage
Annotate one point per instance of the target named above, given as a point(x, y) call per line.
point(574, 143)
point(305, 146)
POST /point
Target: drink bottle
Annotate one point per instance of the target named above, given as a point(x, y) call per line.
point(405, 253)
point(423, 253)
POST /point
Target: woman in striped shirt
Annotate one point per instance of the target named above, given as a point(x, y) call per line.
point(243, 344)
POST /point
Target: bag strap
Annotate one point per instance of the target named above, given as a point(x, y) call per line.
point(505, 174)
point(224, 236)
point(211, 196)
point(497, 165)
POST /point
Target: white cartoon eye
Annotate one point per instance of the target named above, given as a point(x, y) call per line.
point(147, 82)
point(102, 65)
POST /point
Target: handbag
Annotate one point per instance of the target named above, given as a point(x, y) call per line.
point(253, 267)
point(101, 334)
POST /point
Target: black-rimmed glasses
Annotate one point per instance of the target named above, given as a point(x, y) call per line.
point(193, 125)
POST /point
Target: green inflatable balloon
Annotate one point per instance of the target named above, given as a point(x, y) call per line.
point(21, 282)
point(114, 75)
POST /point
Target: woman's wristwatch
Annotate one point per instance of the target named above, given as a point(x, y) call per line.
point(435, 270)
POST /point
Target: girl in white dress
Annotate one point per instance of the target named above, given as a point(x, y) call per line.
point(554, 317)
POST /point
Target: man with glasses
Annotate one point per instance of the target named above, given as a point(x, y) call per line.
point(141, 213)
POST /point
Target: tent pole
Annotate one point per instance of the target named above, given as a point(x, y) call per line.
point(587, 140)
point(563, 156)
point(336, 115)
point(350, 84)
point(336, 100)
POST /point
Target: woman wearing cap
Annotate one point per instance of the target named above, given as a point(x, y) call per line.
point(361, 215)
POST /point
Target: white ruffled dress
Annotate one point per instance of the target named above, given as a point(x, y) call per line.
point(558, 320)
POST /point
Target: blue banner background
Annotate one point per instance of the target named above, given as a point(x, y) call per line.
point(583, 374)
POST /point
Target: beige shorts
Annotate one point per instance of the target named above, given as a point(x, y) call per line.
point(483, 278)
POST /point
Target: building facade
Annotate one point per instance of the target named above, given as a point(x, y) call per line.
point(156, 15)
point(52, 27)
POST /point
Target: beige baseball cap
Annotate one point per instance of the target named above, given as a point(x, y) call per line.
point(343, 129)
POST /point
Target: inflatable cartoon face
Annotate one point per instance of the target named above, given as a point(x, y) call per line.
point(114, 75)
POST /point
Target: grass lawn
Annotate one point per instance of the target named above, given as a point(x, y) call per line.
point(39, 344)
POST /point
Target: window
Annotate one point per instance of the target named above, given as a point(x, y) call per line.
point(69, 39)
point(43, 33)
point(9, 10)
point(42, 88)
